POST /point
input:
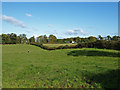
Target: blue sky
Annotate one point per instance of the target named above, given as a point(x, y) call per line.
point(63, 19)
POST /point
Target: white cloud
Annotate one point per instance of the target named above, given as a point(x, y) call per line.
point(27, 14)
point(35, 35)
point(75, 31)
point(13, 21)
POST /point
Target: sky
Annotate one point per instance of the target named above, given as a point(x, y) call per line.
point(60, 1)
point(62, 19)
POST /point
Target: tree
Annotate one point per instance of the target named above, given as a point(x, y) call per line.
point(77, 40)
point(92, 38)
point(100, 37)
point(52, 39)
point(13, 38)
point(60, 41)
point(108, 37)
point(115, 38)
point(71, 39)
point(8, 39)
point(45, 40)
point(4, 38)
point(32, 39)
point(0, 39)
point(23, 38)
point(40, 39)
point(18, 40)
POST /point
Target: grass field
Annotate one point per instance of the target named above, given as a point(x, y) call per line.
point(0, 66)
point(78, 68)
point(57, 45)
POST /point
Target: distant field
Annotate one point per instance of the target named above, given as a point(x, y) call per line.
point(71, 68)
point(57, 45)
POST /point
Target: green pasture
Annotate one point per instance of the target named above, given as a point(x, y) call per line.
point(57, 45)
point(65, 68)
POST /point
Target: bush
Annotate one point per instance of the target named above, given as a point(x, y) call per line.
point(60, 47)
point(66, 46)
point(36, 44)
point(98, 44)
point(101, 44)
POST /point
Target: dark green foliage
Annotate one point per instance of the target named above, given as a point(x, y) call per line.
point(36, 44)
point(93, 53)
point(42, 39)
point(98, 44)
point(100, 37)
point(108, 79)
point(52, 39)
point(115, 38)
point(101, 44)
point(32, 40)
point(14, 39)
point(65, 46)
point(108, 44)
point(60, 41)
point(90, 42)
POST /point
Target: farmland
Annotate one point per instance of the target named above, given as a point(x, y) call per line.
point(65, 68)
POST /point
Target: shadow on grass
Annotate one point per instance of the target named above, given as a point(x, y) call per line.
point(92, 53)
point(109, 79)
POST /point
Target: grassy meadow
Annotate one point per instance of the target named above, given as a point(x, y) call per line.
point(65, 68)
point(57, 45)
point(0, 66)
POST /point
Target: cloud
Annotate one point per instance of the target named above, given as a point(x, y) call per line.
point(35, 35)
point(75, 31)
point(13, 21)
point(50, 25)
point(27, 14)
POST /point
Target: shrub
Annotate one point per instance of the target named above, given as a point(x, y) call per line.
point(101, 44)
point(66, 46)
point(59, 47)
point(98, 44)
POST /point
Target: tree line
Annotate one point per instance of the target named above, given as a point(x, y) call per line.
point(52, 39)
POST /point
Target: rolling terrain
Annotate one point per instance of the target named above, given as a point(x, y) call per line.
point(65, 68)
